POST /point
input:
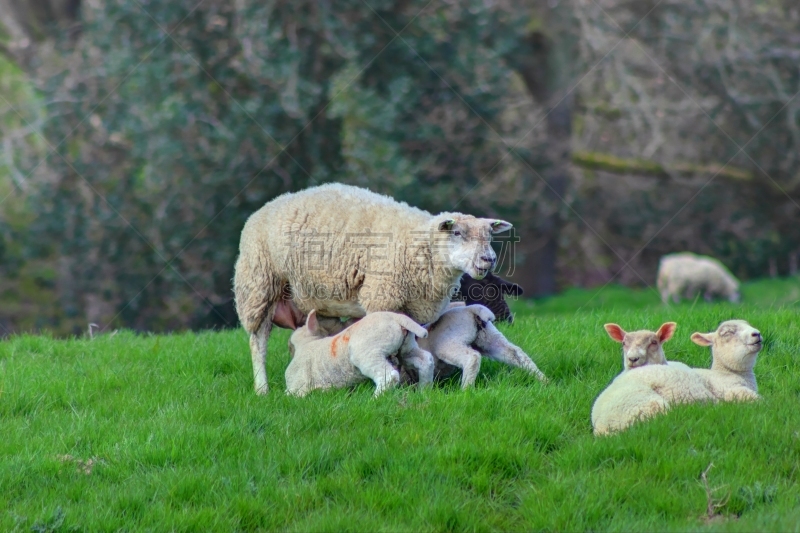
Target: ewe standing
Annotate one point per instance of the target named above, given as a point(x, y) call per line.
point(686, 274)
point(346, 251)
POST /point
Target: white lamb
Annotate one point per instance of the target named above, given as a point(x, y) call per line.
point(642, 347)
point(686, 274)
point(734, 348)
point(346, 252)
point(462, 335)
point(643, 392)
point(648, 384)
point(361, 351)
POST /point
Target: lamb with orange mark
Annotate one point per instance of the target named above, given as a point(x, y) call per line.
point(362, 351)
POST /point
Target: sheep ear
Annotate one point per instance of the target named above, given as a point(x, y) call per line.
point(615, 332)
point(665, 332)
point(512, 289)
point(312, 323)
point(702, 339)
point(447, 225)
point(499, 226)
point(507, 287)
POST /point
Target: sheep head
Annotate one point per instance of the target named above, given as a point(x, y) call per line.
point(463, 242)
point(306, 333)
point(489, 291)
point(734, 345)
point(644, 347)
point(732, 290)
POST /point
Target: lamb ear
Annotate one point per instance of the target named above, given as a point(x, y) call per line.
point(615, 332)
point(499, 226)
point(512, 289)
point(665, 332)
point(702, 339)
point(312, 323)
point(447, 225)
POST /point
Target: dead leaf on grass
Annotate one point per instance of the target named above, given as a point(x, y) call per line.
point(83, 466)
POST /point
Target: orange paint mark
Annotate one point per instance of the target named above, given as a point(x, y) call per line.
point(344, 338)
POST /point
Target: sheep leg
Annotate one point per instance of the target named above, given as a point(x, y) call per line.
point(257, 293)
point(740, 394)
point(495, 346)
point(513, 356)
point(258, 353)
point(376, 367)
point(422, 361)
point(463, 357)
point(665, 296)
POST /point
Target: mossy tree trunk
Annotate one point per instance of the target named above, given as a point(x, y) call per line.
point(545, 62)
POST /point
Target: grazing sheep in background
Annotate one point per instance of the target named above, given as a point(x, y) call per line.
point(361, 351)
point(686, 274)
point(643, 347)
point(462, 335)
point(643, 392)
point(489, 292)
point(346, 251)
point(734, 348)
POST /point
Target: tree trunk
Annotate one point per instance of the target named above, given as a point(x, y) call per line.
point(544, 63)
point(30, 21)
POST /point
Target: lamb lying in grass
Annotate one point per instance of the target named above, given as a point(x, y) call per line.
point(648, 384)
point(643, 347)
point(462, 335)
point(645, 391)
point(359, 352)
point(734, 348)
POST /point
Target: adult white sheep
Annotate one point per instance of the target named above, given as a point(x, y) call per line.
point(462, 335)
point(734, 348)
point(361, 351)
point(687, 274)
point(346, 251)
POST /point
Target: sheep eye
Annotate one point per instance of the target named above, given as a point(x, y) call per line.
point(653, 343)
point(457, 233)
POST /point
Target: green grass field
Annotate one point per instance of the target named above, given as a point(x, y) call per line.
point(159, 433)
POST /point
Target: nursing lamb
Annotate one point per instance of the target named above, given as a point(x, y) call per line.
point(361, 351)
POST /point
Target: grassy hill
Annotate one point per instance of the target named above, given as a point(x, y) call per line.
point(139, 432)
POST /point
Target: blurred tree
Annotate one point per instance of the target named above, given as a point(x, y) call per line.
point(699, 100)
point(610, 132)
point(169, 122)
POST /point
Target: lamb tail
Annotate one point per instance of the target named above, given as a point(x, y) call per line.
point(409, 325)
